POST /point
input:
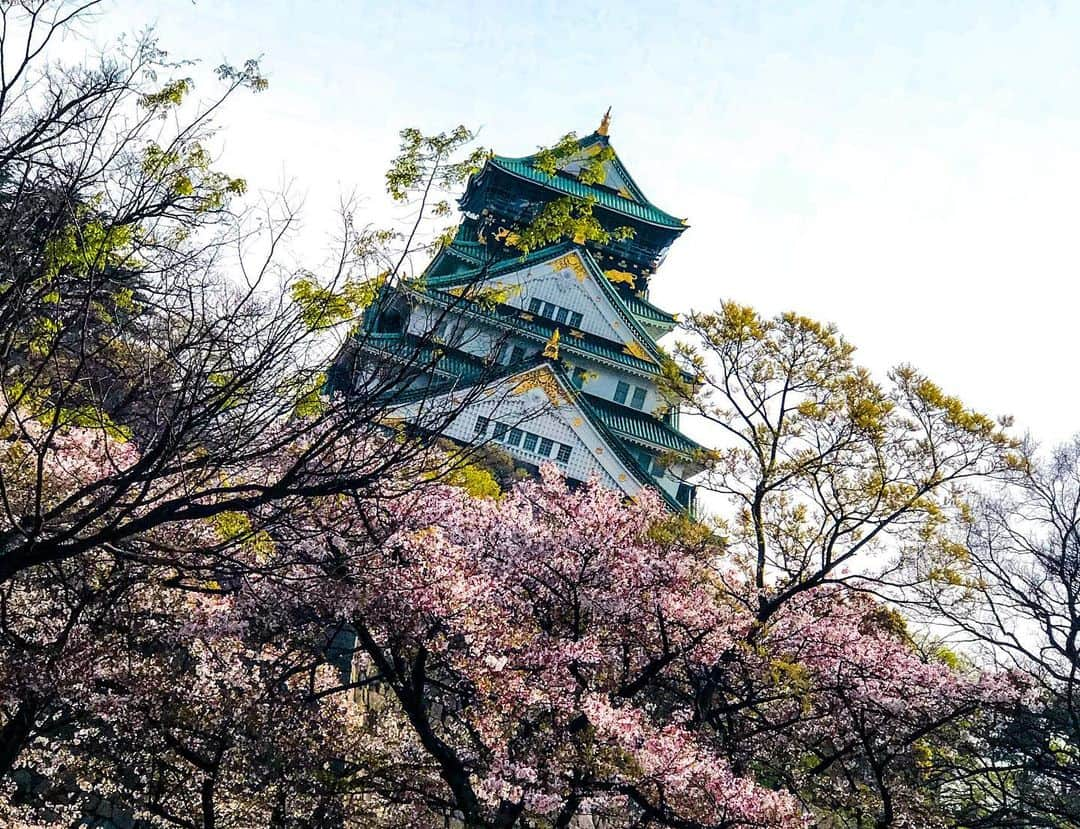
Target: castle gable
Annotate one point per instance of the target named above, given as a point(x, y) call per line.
point(535, 416)
point(566, 289)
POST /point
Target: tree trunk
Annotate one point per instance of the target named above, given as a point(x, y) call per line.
point(15, 734)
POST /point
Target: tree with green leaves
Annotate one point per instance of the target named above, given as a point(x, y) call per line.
point(826, 475)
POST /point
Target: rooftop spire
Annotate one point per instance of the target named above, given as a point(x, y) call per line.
point(605, 123)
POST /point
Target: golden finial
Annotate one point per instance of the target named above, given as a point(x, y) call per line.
point(605, 123)
point(551, 350)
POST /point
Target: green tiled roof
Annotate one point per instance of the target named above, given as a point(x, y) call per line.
point(460, 364)
point(643, 308)
point(460, 256)
point(408, 347)
point(646, 212)
point(468, 249)
point(509, 263)
point(640, 426)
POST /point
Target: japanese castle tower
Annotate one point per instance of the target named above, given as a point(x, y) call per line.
point(551, 356)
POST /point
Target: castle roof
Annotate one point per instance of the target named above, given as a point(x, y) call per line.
point(629, 309)
point(617, 191)
point(583, 403)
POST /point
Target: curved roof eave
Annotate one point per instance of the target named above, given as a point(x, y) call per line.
point(646, 212)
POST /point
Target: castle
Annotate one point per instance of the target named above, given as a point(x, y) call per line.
point(552, 355)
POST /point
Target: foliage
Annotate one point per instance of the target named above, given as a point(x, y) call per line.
point(475, 480)
point(567, 217)
point(1016, 593)
point(823, 467)
point(420, 164)
point(230, 597)
point(322, 307)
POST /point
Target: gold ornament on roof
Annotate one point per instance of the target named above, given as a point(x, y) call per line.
point(508, 236)
point(605, 123)
point(541, 378)
point(614, 275)
point(571, 261)
point(635, 350)
point(551, 350)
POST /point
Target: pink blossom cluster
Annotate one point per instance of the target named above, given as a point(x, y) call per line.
point(568, 651)
point(548, 606)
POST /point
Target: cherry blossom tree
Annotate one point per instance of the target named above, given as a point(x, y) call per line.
point(536, 657)
point(228, 600)
point(516, 638)
point(558, 652)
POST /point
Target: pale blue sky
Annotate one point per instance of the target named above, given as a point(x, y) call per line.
point(908, 170)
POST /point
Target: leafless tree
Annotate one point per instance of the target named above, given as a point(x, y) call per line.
point(1016, 599)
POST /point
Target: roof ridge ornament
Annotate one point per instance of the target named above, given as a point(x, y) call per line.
point(605, 123)
point(551, 349)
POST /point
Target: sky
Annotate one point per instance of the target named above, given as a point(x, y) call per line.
point(909, 171)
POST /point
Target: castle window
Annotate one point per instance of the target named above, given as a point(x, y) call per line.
point(482, 425)
point(517, 354)
point(639, 398)
point(546, 446)
point(500, 430)
point(658, 468)
point(530, 441)
point(389, 321)
point(621, 391)
point(685, 495)
point(579, 377)
point(556, 313)
point(515, 437)
point(564, 453)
